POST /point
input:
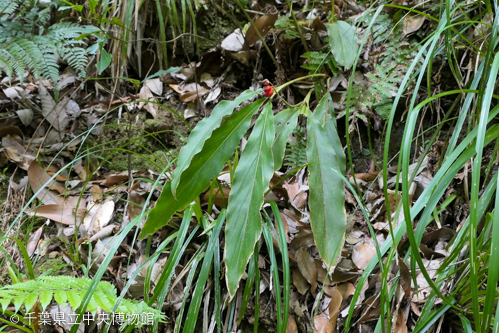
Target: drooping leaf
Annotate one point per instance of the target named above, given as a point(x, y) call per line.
point(327, 195)
point(202, 132)
point(284, 122)
point(343, 43)
point(204, 166)
point(251, 179)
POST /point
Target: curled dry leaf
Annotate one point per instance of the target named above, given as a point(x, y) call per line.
point(401, 323)
point(146, 95)
point(34, 242)
point(135, 204)
point(322, 324)
point(63, 213)
point(40, 181)
point(263, 25)
point(155, 86)
point(307, 267)
point(98, 216)
point(334, 306)
point(292, 327)
point(299, 281)
point(363, 253)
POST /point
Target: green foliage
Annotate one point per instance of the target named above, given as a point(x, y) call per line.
point(215, 142)
point(296, 154)
point(28, 41)
point(64, 289)
point(286, 24)
point(342, 42)
point(317, 60)
point(376, 92)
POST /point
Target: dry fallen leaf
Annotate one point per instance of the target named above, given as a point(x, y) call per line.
point(334, 306)
point(292, 327)
point(322, 324)
point(39, 181)
point(299, 281)
point(363, 253)
point(307, 267)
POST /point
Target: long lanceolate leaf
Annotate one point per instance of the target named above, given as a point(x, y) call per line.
point(327, 195)
point(202, 132)
point(251, 179)
point(203, 167)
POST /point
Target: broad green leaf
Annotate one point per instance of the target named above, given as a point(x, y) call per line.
point(203, 167)
point(284, 122)
point(327, 195)
point(18, 301)
point(46, 297)
point(343, 42)
point(251, 179)
point(325, 113)
point(30, 300)
point(61, 297)
point(104, 62)
point(74, 298)
point(103, 301)
point(202, 132)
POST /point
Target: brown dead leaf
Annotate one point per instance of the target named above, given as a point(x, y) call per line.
point(322, 324)
point(39, 180)
point(412, 23)
point(292, 327)
point(401, 323)
point(346, 289)
point(363, 253)
point(113, 180)
point(299, 281)
point(62, 213)
point(307, 267)
point(147, 101)
point(136, 204)
point(334, 306)
point(303, 239)
point(263, 25)
point(34, 241)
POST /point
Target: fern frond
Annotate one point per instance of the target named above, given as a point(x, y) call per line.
point(64, 289)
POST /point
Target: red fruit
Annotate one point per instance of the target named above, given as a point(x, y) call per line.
point(267, 88)
point(269, 92)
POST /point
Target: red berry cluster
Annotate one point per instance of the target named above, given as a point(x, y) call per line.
point(268, 89)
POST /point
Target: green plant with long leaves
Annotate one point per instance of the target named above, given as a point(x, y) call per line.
point(214, 141)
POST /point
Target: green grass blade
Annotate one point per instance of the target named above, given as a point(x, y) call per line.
point(164, 280)
point(493, 276)
point(286, 274)
point(190, 321)
point(187, 289)
point(267, 234)
point(248, 288)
